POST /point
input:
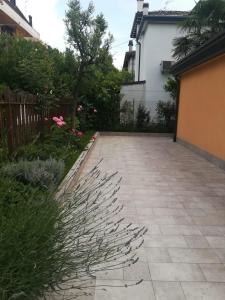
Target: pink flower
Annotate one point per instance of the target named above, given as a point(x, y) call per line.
point(94, 138)
point(80, 108)
point(95, 110)
point(61, 118)
point(55, 119)
point(61, 124)
point(79, 133)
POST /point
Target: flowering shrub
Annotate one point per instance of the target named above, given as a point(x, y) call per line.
point(59, 121)
point(87, 115)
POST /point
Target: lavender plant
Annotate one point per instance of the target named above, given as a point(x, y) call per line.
point(95, 237)
point(60, 245)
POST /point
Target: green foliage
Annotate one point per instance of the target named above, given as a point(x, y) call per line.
point(127, 115)
point(171, 87)
point(58, 151)
point(38, 173)
point(53, 246)
point(205, 21)
point(142, 118)
point(104, 84)
point(88, 44)
point(166, 113)
point(34, 67)
point(27, 249)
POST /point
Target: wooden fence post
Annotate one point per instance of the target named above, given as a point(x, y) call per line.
point(10, 126)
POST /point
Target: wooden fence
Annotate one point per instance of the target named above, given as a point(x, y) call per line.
point(20, 122)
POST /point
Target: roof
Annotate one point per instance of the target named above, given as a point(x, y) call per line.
point(158, 16)
point(168, 13)
point(211, 49)
point(17, 10)
point(128, 56)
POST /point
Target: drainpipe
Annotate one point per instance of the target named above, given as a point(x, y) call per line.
point(177, 108)
point(139, 60)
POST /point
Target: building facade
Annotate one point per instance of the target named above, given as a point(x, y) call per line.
point(201, 101)
point(13, 21)
point(153, 32)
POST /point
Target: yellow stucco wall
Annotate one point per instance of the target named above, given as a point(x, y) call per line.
point(201, 120)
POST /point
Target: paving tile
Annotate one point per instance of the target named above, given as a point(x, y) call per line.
point(169, 212)
point(216, 241)
point(165, 241)
point(168, 290)
point(115, 290)
point(221, 254)
point(158, 202)
point(203, 291)
point(184, 211)
point(211, 230)
point(136, 272)
point(157, 255)
point(179, 230)
point(111, 274)
point(209, 220)
point(175, 272)
point(152, 220)
point(196, 212)
point(197, 241)
point(193, 255)
point(213, 272)
point(153, 230)
point(185, 220)
point(144, 211)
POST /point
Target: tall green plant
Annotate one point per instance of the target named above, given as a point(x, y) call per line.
point(86, 38)
point(205, 21)
point(142, 118)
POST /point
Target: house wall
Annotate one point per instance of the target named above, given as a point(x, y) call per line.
point(157, 45)
point(133, 93)
point(201, 120)
point(23, 28)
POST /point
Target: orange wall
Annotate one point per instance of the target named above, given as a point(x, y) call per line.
point(201, 120)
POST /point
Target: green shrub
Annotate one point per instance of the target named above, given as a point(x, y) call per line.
point(166, 112)
point(142, 118)
point(27, 226)
point(37, 173)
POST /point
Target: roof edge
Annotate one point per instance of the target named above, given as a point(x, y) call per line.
point(211, 49)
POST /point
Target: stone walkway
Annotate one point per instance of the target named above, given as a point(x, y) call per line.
point(180, 197)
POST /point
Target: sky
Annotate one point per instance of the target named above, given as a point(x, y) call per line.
point(48, 19)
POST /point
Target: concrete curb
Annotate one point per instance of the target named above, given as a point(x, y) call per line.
point(72, 176)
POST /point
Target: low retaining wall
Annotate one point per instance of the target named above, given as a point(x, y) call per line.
point(72, 176)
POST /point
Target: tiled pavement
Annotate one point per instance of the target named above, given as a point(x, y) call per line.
point(180, 197)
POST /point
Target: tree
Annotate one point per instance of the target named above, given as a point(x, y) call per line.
point(33, 67)
point(86, 37)
point(205, 21)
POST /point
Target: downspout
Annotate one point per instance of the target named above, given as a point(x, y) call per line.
point(177, 108)
point(139, 60)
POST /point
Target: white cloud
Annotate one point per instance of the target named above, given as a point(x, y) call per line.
point(46, 20)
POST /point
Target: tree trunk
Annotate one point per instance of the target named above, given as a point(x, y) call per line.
point(74, 108)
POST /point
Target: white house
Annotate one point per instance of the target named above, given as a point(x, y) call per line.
point(13, 21)
point(154, 32)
